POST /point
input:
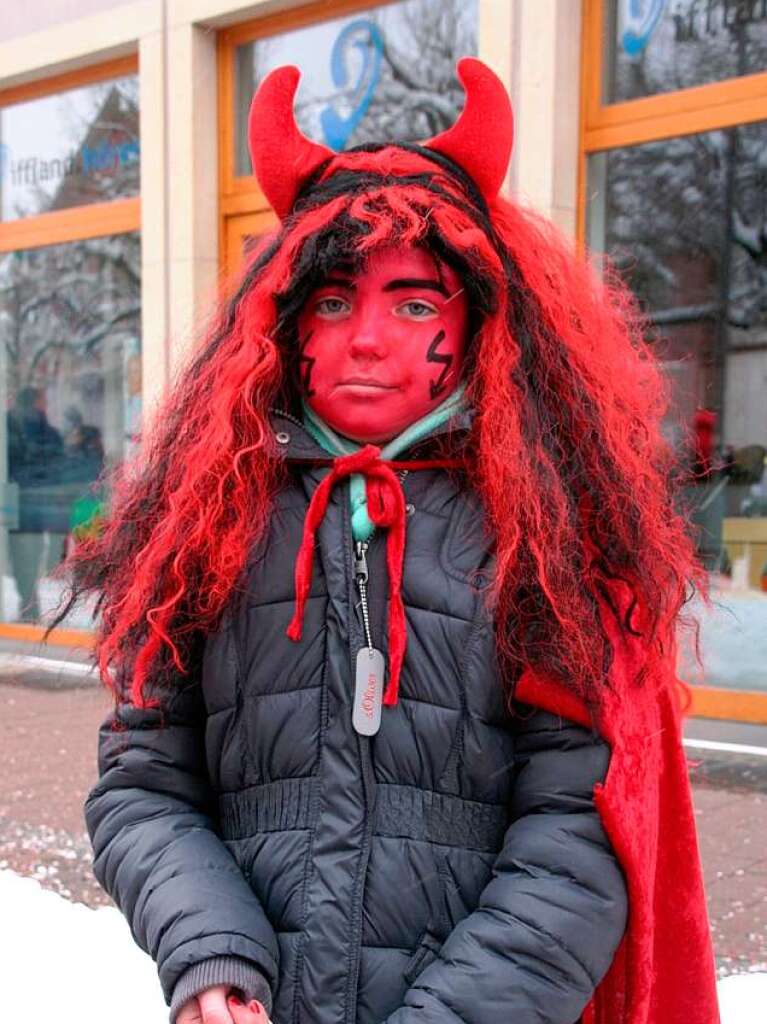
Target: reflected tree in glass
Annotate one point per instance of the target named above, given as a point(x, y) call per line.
point(686, 224)
point(406, 52)
point(70, 336)
point(686, 44)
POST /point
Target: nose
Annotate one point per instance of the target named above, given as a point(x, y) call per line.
point(368, 340)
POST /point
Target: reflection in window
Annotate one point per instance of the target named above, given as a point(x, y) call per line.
point(685, 222)
point(385, 74)
point(70, 149)
point(658, 46)
point(71, 379)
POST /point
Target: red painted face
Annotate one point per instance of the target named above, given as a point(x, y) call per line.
point(383, 347)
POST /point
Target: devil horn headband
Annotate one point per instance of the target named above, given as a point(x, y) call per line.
point(283, 157)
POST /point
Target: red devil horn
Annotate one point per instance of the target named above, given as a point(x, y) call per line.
point(480, 140)
point(282, 156)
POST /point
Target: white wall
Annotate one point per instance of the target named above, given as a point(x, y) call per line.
point(19, 19)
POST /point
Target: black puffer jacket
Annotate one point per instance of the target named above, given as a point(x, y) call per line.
point(450, 869)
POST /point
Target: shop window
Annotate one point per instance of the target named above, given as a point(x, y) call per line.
point(73, 148)
point(684, 222)
point(70, 315)
point(662, 46)
point(385, 73)
point(674, 192)
point(71, 376)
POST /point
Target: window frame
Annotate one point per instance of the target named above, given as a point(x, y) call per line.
point(607, 126)
point(697, 109)
point(76, 223)
point(701, 108)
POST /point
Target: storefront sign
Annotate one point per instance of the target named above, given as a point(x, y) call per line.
point(105, 158)
point(364, 36)
point(640, 18)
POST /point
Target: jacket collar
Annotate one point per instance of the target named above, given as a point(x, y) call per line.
point(293, 441)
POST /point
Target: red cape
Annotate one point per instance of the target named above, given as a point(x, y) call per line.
point(663, 971)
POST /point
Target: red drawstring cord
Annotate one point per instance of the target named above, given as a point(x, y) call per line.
point(385, 507)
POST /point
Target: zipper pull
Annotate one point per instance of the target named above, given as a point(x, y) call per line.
point(360, 562)
point(369, 665)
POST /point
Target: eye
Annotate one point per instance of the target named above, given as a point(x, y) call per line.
point(332, 307)
point(417, 309)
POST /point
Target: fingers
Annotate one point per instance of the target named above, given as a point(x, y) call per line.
point(213, 1006)
point(252, 1013)
point(218, 1005)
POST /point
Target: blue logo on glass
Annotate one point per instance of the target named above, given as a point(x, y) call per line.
point(642, 17)
point(366, 36)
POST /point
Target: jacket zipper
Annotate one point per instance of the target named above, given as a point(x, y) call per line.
point(360, 572)
point(361, 579)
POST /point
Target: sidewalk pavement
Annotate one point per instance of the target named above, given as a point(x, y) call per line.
point(730, 795)
point(49, 717)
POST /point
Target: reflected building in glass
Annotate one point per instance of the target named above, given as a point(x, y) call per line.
point(70, 334)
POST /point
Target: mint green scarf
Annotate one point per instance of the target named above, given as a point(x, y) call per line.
point(337, 444)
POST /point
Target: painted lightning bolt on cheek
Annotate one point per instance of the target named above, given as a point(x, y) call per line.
point(371, 340)
point(436, 387)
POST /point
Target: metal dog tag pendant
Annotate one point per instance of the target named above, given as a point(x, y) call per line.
point(368, 691)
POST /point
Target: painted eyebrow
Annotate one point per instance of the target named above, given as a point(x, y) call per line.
point(416, 282)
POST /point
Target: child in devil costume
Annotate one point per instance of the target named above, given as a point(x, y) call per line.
point(389, 602)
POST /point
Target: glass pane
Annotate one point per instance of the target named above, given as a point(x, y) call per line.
point(384, 74)
point(655, 46)
point(685, 222)
point(70, 149)
point(70, 373)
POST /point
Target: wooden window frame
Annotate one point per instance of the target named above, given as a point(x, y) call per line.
point(701, 108)
point(72, 224)
point(606, 126)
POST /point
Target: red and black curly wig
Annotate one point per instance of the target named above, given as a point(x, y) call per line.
point(566, 451)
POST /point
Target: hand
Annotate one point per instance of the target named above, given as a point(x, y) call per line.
point(221, 1005)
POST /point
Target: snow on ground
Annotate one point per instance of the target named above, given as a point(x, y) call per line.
point(743, 998)
point(66, 962)
point(63, 961)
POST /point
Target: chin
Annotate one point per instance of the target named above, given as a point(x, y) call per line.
point(361, 433)
point(364, 437)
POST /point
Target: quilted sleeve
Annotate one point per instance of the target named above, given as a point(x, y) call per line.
point(156, 849)
point(551, 917)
